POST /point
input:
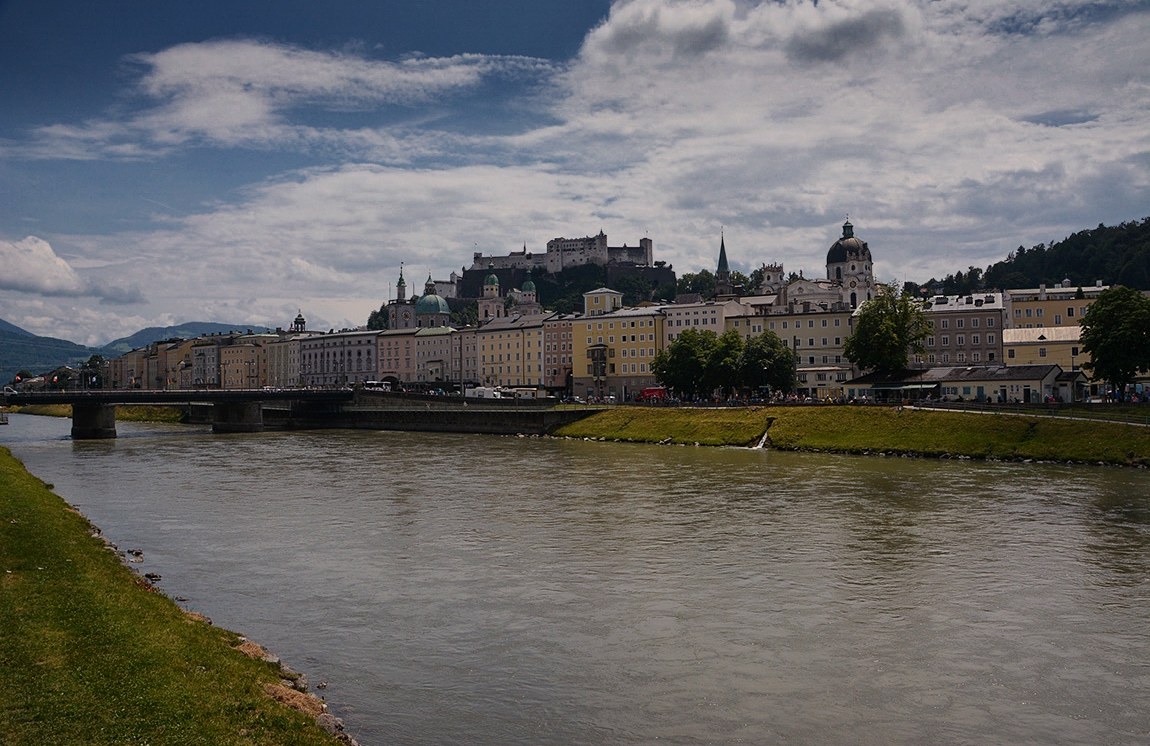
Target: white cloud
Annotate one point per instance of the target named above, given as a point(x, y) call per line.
point(31, 266)
point(245, 93)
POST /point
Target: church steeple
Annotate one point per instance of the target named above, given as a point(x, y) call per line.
point(723, 269)
point(401, 286)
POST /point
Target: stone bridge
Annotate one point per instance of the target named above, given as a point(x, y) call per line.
point(233, 411)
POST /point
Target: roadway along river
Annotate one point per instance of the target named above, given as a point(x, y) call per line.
point(480, 590)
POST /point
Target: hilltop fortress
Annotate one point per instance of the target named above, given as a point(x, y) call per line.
point(571, 252)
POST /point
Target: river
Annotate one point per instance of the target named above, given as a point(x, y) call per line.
point(463, 589)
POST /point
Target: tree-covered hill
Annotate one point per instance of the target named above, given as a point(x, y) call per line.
point(1116, 255)
point(23, 351)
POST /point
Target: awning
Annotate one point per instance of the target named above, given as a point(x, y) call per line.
point(901, 386)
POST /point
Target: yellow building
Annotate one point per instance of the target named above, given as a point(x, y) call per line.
point(511, 351)
point(1053, 344)
point(611, 353)
point(817, 337)
point(1038, 308)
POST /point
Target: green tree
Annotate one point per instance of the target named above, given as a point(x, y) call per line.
point(721, 371)
point(702, 283)
point(1116, 334)
point(887, 329)
point(766, 361)
point(682, 365)
point(466, 316)
point(377, 320)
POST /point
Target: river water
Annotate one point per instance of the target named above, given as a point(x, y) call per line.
point(461, 589)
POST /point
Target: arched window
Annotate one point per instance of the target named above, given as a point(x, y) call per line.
point(838, 273)
point(854, 300)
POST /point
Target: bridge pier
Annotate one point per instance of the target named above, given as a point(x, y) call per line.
point(93, 421)
point(237, 417)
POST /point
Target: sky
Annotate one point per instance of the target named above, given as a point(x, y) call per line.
point(236, 162)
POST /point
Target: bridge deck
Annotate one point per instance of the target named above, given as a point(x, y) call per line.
point(131, 396)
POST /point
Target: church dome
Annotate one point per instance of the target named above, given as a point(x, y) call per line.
point(492, 278)
point(848, 248)
point(528, 284)
point(432, 303)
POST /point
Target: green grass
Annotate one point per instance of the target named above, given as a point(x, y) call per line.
point(124, 412)
point(876, 429)
point(712, 427)
point(90, 655)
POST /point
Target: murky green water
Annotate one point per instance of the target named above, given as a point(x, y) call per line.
point(481, 590)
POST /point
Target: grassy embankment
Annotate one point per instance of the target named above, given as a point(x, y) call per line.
point(124, 412)
point(90, 655)
point(875, 429)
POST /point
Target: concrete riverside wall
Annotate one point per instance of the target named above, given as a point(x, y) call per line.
point(470, 420)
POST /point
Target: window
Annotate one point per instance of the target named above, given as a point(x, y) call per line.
point(945, 324)
point(1057, 319)
point(990, 339)
point(824, 322)
point(1070, 312)
point(960, 340)
point(989, 322)
point(974, 339)
point(959, 323)
point(1038, 312)
point(1029, 312)
point(945, 341)
point(1010, 354)
point(1041, 352)
point(837, 322)
point(974, 323)
point(1018, 313)
point(976, 357)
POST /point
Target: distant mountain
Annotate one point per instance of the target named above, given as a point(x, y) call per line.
point(6, 327)
point(190, 330)
point(20, 350)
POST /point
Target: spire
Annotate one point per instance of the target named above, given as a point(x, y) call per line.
point(429, 286)
point(723, 266)
point(848, 229)
point(401, 286)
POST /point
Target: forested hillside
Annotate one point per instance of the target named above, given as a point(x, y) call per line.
point(1116, 255)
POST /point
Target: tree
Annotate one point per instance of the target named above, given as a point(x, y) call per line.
point(702, 283)
point(682, 365)
point(466, 316)
point(721, 370)
point(767, 362)
point(887, 329)
point(377, 320)
point(1116, 334)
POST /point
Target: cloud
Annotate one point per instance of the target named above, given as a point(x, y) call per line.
point(839, 38)
point(682, 30)
point(257, 94)
point(31, 266)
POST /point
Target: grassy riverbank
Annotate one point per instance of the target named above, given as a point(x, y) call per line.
point(91, 655)
point(875, 429)
point(124, 412)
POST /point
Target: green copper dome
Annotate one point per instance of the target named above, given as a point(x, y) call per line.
point(431, 303)
point(492, 278)
point(528, 284)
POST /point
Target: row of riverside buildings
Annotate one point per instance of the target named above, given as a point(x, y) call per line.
point(607, 349)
